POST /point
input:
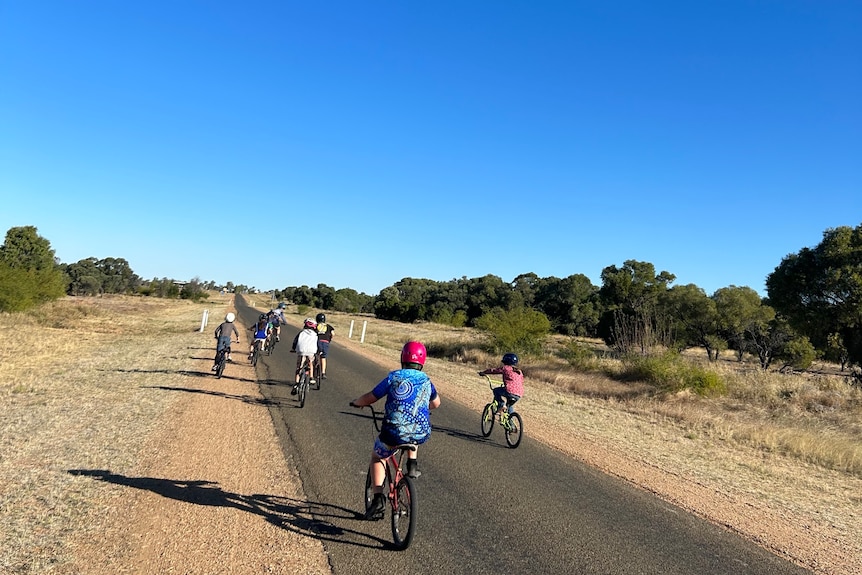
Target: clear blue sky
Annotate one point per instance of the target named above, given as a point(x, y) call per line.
point(273, 143)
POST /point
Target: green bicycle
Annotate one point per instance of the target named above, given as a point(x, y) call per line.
point(511, 423)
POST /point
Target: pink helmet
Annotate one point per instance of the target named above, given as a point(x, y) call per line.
point(413, 352)
point(310, 323)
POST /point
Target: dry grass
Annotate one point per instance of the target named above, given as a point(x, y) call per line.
point(78, 391)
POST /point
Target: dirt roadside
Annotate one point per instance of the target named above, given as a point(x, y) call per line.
point(254, 521)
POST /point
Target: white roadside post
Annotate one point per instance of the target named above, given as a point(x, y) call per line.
point(204, 319)
point(364, 325)
point(350, 331)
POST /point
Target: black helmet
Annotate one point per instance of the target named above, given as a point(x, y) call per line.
point(261, 317)
point(321, 318)
point(510, 359)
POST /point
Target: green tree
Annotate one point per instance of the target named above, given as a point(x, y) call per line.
point(693, 318)
point(738, 308)
point(29, 273)
point(571, 304)
point(85, 277)
point(118, 276)
point(630, 295)
point(819, 290)
point(25, 249)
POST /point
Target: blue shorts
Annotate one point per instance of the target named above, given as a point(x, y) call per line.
point(223, 342)
point(384, 445)
point(322, 348)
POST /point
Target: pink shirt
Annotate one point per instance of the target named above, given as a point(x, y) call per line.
point(514, 380)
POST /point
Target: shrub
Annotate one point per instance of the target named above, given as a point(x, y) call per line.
point(672, 373)
point(579, 355)
point(520, 330)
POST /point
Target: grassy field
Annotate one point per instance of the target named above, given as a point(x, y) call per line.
point(82, 380)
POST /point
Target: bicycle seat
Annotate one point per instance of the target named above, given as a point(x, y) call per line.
point(407, 446)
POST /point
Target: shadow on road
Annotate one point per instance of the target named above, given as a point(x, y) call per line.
point(309, 518)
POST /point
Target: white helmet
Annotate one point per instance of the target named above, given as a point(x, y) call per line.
point(229, 317)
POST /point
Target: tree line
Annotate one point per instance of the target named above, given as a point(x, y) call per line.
point(30, 274)
point(813, 306)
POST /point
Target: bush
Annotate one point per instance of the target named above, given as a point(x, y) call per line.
point(448, 317)
point(798, 353)
point(520, 330)
point(579, 355)
point(672, 373)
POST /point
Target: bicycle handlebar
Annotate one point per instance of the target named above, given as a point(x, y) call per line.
point(492, 382)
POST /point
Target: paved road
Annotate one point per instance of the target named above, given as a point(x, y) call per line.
point(483, 508)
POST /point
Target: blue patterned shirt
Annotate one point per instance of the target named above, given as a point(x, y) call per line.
point(406, 418)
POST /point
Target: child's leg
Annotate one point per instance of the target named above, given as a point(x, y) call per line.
point(378, 474)
point(500, 396)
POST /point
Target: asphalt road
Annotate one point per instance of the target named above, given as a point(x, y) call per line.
point(483, 508)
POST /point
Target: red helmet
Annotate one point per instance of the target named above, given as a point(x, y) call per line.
point(413, 352)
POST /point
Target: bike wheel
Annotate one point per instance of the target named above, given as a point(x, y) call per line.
point(317, 377)
point(220, 367)
point(254, 355)
point(303, 389)
point(514, 430)
point(487, 420)
point(404, 511)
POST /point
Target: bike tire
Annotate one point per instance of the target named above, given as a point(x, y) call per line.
point(404, 513)
point(487, 420)
point(254, 355)
point(514, 430)
point(369, 489)
point(220, 368)
point(317, 377)
point(303, 389)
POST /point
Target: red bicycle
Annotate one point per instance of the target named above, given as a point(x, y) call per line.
point(400, 490)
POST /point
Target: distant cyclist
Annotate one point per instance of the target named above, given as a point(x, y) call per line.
point(277, 319)
point(324, 338)
point(305, 346)
point(260, 330)
point(513, 383)
point(224, 334)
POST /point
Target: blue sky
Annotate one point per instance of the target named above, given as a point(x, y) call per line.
point(354, 144)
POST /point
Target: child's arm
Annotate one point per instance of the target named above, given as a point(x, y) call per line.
point(363, 400)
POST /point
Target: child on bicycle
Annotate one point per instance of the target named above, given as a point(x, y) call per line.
point(305, 346)
point(260, 329)
point(409, 397)
point(224, 334)
point(513, 383)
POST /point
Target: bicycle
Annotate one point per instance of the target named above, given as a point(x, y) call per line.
point(256, 351)
point(221, 360)
point(317, 373)
point(269, 342)
point(512, 424)
point(400, 490)
point(302, 386)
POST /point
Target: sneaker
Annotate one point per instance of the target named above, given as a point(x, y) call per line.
point(412, 469)
point(312, 380)
point(215, 368)
point(277, 338)
point(323, 376)
point(375, 510)
point(294, 391)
